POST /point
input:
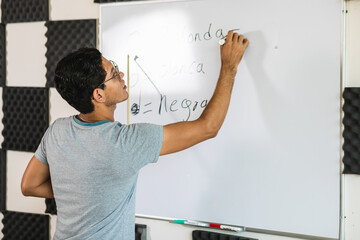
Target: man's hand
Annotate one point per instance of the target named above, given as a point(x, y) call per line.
point(232, 52)
point(179, 136)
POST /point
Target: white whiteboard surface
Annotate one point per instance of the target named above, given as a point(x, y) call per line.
point(275, 164)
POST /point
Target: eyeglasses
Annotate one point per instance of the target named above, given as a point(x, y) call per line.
point(117, 73)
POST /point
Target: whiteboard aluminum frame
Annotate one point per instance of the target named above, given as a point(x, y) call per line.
point(342, 82)
point(342, 86)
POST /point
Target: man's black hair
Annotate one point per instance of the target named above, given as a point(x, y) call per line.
point(77, 75)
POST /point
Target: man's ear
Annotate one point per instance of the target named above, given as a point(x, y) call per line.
point(98, 95)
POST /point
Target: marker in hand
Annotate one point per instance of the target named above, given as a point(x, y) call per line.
point(223, 40)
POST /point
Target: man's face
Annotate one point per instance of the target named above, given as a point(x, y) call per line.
point(115, 89)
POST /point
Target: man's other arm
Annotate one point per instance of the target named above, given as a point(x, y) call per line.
point(182, 135)
point(36, 180)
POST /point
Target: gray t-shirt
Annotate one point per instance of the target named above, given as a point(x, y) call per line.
point(94, 169)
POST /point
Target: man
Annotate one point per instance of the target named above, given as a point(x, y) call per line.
point(90, 163)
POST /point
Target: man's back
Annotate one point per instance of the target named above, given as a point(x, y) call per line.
point(94, 169)
point(92, 173)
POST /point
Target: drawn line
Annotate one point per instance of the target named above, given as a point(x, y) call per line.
point(136, 57)
point(147, 111)
point(147, 104)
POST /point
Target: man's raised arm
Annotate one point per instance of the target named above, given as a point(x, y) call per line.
point(181, 135)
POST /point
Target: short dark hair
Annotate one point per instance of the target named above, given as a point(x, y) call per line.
point(77, 75)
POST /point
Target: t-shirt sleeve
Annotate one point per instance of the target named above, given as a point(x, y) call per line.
point(40, 153)
point(142, 143)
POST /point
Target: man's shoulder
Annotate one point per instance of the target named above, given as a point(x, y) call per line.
point(59, 123)
point(63, 120)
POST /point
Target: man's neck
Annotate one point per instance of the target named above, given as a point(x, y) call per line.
point(98, 115)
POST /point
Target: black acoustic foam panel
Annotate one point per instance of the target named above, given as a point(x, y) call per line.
point(204, 235)
point(51, 206)
point(2, 55)
point(140, 232)
point(26, 117)
point(2, 180)
point(64, 37)
point(351, 132)
point(25, 226)
point(14, 11)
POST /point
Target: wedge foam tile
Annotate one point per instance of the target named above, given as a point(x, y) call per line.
point(14, 11)
point(26, 117)
point(205, 235)
point(51, 206)
point(25, 226)
point(2, 180)
point(64, 37)
point(140, 232)
point(351, 132)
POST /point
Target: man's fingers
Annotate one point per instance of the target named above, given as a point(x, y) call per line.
point(235, 37)
point(240, 38)
point(230, 36)
point(246, 42)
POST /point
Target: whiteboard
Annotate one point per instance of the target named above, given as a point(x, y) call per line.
point(275, 164)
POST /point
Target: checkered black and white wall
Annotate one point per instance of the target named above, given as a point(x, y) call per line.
point(34, 36)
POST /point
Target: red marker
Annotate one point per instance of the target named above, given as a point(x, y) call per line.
point(225, 227)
